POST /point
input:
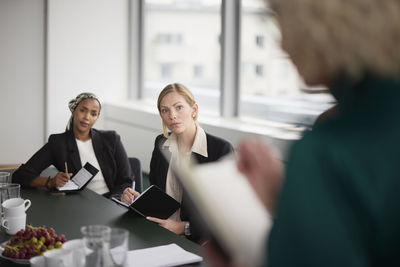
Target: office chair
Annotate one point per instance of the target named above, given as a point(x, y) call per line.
point(137, 172)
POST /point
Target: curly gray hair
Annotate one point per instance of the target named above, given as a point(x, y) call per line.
point(352, 36)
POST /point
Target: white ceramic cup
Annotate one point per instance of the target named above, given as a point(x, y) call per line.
point(8, 191)
point(59, 258)
point(14, 224)
point(78, 251)
point(15, 207)
point(37, 261)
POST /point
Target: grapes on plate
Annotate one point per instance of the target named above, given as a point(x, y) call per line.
point(31, 242)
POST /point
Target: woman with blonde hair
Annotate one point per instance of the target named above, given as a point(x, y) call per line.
point(179, 111)
point(338, 202)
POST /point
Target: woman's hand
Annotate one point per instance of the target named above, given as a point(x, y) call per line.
point(171, 225)
point(129, 195)
point(59, 180)
point(263, 167)
point(214, 258)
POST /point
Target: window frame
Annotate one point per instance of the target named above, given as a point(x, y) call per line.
point(230, 54)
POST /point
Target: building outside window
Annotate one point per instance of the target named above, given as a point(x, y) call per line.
point(276, 92)
point(182, 43)
point(183, 34)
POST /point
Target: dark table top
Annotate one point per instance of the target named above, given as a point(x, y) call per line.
point(68, 213)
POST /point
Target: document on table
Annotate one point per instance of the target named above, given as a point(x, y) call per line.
point(161, 256)
point(80, 179)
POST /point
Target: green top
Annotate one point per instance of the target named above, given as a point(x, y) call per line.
point(339, 203)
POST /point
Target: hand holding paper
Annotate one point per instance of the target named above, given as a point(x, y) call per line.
point(263, 168)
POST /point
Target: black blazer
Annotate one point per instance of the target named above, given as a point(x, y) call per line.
point(216, 148)
point(62, 147)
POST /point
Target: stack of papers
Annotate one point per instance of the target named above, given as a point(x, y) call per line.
point(162, 256)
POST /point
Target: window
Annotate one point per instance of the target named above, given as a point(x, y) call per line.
point(166, 70)
point(275, 91)
point(183, 41)
point(169, 38)
point(179, 45)
point(259, 69)
point(260, 41)
point(197, 71)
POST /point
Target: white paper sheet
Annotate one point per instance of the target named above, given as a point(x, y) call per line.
point(161, 256)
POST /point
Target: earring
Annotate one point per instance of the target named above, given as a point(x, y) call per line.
point(194, 115)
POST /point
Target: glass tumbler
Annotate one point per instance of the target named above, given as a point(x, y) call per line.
point(119, 239)
point(5, 178)
point(8, 191)
point(97, 245)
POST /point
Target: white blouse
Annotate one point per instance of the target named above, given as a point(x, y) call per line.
point(172, 186)
point(86, 153)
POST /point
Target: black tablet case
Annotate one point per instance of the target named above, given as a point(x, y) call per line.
point(155, 203)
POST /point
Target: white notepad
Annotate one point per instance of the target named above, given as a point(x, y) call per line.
point(80, 179)
point(229, 208)
point(161, 256)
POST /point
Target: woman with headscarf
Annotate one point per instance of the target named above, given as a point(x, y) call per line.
point(80, 143)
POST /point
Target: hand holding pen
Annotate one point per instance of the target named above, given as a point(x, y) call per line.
point(60, 179)
point(129, 194)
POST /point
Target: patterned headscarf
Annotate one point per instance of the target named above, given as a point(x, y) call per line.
point(75, 102)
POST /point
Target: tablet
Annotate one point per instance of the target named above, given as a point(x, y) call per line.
point(80, 179)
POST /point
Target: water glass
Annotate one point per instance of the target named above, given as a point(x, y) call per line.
point(5, 178)
point(119, 239)
point(8, 191)
point(97, 245)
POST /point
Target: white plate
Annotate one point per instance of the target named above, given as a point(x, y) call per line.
point(19, 261)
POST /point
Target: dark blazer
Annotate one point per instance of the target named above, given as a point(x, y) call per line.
point(62, 148)
point(216, 148)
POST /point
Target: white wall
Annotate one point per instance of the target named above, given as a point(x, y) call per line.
point(22, 92)
point(87, 51)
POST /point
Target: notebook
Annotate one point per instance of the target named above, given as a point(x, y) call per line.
point(80, 179)
point(228, 208)
point(153, 202)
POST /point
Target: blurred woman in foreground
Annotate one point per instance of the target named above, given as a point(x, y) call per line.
point(337, 205)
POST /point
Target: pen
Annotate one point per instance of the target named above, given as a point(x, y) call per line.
point(133, 187)
point(66, 168)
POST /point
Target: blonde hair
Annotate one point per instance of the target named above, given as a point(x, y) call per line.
point(352, 36)
point(180, 89)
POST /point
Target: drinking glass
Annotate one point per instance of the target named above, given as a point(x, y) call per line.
point(119, 245)
point(5, 177)
point(97, 245)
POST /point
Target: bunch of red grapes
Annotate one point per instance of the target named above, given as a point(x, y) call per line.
point(31, 242)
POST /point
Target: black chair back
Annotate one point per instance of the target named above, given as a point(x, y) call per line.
point(136, 168)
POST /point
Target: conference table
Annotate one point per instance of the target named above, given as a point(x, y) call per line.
point(68, 213)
